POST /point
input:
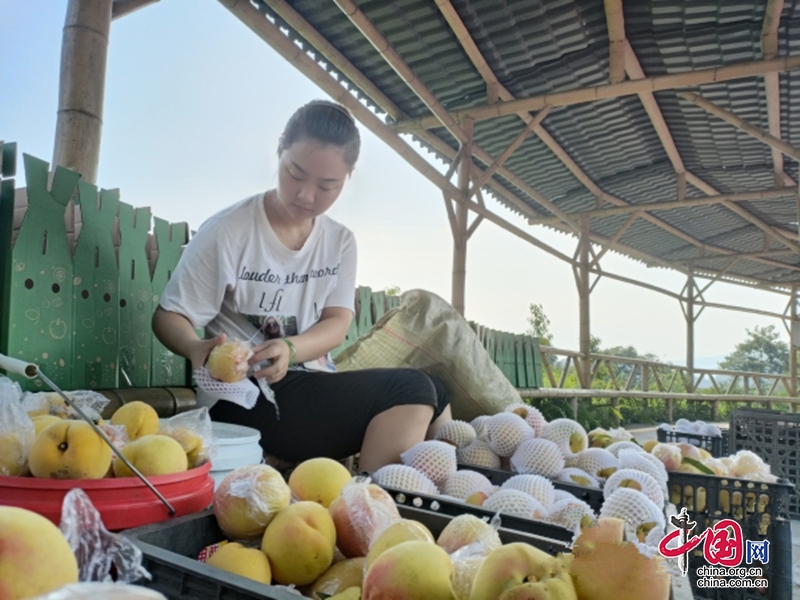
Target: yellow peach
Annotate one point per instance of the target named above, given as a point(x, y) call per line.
point(42, 421)
point(35, 558)
point(403, 530)
point(299, 543)
point(248, 498)
point(339, 577)
point(139, 418)
point(228, 362)
point(241, 560)
point(69, 449)
point(13, 453)
point(319, 480)
point(153, 454)
point(409, 571)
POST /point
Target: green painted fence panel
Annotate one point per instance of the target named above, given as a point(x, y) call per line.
point(379, 304)
point(135, 297)
point(39, 286)
point(96, 292)
point(167, 369)
point(365, 310)
point(6, 230)
point(8, 159)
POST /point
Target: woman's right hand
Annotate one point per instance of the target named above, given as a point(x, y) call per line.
point(202, 348)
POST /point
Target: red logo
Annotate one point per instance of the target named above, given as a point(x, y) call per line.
point(723, 542)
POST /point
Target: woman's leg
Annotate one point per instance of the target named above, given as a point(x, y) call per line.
point(391, 432)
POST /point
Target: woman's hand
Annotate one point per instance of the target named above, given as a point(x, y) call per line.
point(276, 354)
point(199, 350)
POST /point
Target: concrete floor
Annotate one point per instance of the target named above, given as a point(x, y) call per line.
point(681, 590)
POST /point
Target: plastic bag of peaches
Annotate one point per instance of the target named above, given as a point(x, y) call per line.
point(16, 430)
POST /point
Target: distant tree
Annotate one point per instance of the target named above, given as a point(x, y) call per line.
point(539, 325)
point(392, 290)
point(762, 352)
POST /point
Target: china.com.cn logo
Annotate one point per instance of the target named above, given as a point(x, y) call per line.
point(724, 549)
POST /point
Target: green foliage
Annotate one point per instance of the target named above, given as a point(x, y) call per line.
point(762, 352)
point(393, 290)
point(539, 325)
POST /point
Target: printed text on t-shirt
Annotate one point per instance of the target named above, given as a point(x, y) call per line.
point(269, 276)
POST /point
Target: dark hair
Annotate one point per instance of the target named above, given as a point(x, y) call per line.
point(325, 122)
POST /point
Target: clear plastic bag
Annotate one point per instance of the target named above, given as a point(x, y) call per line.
point(193, 431)
point(96, 548)
point(10, 389)
point(107, 591)
point(51, 403)
point(16, 434)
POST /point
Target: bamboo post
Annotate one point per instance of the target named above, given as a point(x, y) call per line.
point(690, 320)
point(793, 345)
point(583, 291)
point(459, 278)
point(84, 49)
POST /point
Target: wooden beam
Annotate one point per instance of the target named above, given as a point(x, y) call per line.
point(744, 255)
point(373, 35)
point(613, 90)
point(769, 49)
point(500, 160)
point(656, 117)
point(459, 275)
point(648, 100)
point(474, 53)
point(741, 124)
point(615, 20)
point(601, 213)
point(120, 8)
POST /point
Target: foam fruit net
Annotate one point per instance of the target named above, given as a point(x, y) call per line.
point(244, 392)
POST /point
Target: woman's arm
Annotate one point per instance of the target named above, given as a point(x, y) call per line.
point(176, 332)
point(319, 339)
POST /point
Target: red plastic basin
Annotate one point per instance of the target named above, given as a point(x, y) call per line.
point(123, 503)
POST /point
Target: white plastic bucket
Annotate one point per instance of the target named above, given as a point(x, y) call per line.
point(236, 446)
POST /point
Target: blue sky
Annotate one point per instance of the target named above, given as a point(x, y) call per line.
point(194, 106)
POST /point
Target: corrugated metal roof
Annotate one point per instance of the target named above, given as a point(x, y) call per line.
point(536, 47)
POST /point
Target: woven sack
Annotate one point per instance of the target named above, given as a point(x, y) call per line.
point(425, 332)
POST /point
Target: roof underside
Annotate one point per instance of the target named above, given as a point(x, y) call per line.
point(536, 47)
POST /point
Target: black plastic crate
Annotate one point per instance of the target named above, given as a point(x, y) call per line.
point(170, 549)
point(714, 444)
point(775, 437)
point(591, 495)
point(760, 509)
point(545, 536)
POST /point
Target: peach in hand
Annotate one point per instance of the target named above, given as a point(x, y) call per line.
point(228, 361)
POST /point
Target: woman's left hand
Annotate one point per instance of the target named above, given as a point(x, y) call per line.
point(276, 353)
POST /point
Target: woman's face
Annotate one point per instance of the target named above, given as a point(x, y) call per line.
point(310, 178)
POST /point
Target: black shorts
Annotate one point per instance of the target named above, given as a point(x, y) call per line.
point(327, 414)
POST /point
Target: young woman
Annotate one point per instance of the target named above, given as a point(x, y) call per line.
point(275, 262)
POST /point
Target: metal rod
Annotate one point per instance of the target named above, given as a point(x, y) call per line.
point(31, 370)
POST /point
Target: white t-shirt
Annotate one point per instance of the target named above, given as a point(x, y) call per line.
point(236, 277)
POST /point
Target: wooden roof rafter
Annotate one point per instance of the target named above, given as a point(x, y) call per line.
point(611, 211)
point(769, 49)
point(658, 83)
point(479, 62)
point(635, 72)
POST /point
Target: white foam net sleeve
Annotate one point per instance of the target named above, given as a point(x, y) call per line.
point(244, 392)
